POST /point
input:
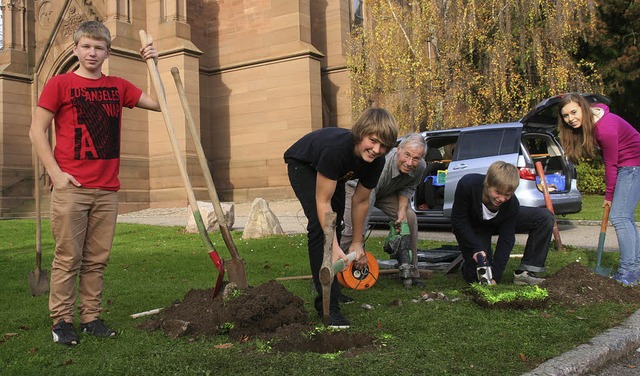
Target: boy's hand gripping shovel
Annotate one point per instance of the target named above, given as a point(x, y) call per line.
point(157, 84)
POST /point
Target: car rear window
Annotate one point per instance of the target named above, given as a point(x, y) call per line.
point(486, 143)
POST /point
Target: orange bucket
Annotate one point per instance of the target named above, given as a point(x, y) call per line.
point(360, 279)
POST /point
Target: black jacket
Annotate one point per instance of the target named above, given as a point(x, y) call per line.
point(472, 231)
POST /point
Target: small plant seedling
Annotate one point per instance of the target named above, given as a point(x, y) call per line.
point(226, 327)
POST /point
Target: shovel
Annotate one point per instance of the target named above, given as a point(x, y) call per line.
point(157, 84)
point(549, 204)
point(38, 278)
point(603, 233)
point(236, 266)
point(328, 270)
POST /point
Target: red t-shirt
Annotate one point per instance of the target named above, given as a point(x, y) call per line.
point(87, 114)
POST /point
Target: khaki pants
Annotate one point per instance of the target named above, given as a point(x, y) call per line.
point(83, 222)
point(389, 206)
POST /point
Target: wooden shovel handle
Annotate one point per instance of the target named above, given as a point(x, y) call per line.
point(326, 271)
point(37, 193)
point(605, 219)
point(549, 204)
point(213, 193)
point(164, 108)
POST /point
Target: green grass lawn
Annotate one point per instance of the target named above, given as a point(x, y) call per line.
point(152, 267)
point(591, 209)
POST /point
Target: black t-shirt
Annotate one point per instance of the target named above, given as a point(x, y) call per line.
point(330, 151)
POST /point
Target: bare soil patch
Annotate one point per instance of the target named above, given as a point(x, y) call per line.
point(576, 285)
point(270, 312)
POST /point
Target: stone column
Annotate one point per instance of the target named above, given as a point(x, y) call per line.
point(119, 10)
point(173, 10)
point(166, 22)
point(16, 171)
point(14, 32)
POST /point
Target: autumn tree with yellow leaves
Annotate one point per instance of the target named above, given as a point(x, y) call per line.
point(452, 63)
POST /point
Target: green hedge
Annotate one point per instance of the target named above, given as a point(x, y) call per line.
point(591, 176)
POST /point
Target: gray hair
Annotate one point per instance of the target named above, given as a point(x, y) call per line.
point(414, 141)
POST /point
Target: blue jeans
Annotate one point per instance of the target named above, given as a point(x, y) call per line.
point(623, 205)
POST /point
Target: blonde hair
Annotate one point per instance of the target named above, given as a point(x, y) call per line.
point(577, 142)
point(94, 30)
point(502, 176)
point(376, 121)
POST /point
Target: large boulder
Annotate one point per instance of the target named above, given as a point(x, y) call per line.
point(261, 222)
point(209, 217)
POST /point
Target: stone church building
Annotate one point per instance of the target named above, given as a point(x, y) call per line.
point(258, 75)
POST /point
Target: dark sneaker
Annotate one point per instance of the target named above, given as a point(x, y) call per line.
point(63, 333)
point(626, 279)
point(97, 328)
point(526, 278)
point(342, 298)
point(337, 321)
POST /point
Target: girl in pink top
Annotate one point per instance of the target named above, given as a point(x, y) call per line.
point(590, 129)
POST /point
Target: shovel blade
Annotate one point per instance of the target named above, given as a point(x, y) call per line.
point(237, 272)
point(602, 271)
point(219, 263)
point(38, 282)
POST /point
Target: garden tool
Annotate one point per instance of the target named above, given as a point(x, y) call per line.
point(549, 204)
point(603, 233)
point(398, 245)
point(236, 266)
point(329, 270)
point(360, 279)
point(326, 271)
point(483, 270)
point(157, 83)
point(38, 278)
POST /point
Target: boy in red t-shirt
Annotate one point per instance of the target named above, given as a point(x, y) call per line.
point(87, 108)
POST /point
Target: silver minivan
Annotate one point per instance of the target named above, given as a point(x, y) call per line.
point(453, 153)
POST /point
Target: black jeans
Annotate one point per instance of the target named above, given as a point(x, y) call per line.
point(538, 223)
point(303, 181)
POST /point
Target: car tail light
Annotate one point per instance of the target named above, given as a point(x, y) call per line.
point(527, 173)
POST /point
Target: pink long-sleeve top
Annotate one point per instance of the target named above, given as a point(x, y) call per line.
point(620, 145)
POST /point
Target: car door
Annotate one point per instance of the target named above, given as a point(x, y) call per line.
point(477, 148)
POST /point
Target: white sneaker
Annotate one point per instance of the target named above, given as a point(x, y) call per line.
point(526, 278)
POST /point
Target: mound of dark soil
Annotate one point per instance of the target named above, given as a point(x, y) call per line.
point(268, 311)
point(576, 285)
point(272, 313)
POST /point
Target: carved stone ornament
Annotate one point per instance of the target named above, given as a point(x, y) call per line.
point(71, 21)
point(45, 14)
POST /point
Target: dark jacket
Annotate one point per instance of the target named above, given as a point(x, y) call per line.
point(473, 233)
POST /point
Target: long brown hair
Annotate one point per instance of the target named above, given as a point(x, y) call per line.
point(578, 142)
